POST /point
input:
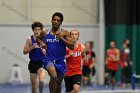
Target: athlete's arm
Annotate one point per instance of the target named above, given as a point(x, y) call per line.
point(83, 51)
point(93, 58)
point(27, 47)
point(68, 54)
point(117, 58)
point(40, 37)
point(84, 57)
point(92, 64)
point(107, 57)
point(65, 37)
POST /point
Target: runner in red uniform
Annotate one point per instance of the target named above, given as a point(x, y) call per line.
point(88, 64)
point(73, 74)
point(112, 59)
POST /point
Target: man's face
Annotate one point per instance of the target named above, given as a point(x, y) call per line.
point(56, 22)
point(74, 35)
point(37, 31)
point(112, 44)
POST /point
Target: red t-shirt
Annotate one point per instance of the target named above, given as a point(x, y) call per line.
point(113, 65)
point(73, 63)
point(122, 59)
point(89, 61)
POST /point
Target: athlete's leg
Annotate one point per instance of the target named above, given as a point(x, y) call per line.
point(76, 88)
point(69, 84)
point(53, 77)
point(85, 80)
point(113, 82)
point(123, 77)
point(113, 73)
point(77, 83)
point(33, 77)
point(60, 78)
point(41, 76)
point(86, 75)
point(106, 76)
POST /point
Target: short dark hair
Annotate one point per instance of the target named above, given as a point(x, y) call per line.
point(59, 15)
point(37, 24)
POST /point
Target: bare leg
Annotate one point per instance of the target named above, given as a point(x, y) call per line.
point(59, 82)
point(33, 78)
point(85, 80)
point(76, 88)
point(41, 75)
point(106, 79)
point(113, 82)
point(53, 76)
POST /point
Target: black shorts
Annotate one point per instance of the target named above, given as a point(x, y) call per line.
point(86, 71)
point(112, 73)
point(71, 80)
point(33, 66)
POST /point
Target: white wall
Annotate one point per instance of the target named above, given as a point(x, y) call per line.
point(22, 11)
point(12, 40)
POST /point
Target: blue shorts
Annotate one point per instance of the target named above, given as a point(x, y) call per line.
point(59, 69)
point(60, 66)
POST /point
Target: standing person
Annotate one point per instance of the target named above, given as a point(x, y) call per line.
point(56, 40)
point(73, 74)
point(36, 55)
point(112, 59)
point(88, 65)
point(125, 62)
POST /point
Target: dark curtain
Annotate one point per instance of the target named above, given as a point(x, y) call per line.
point(122, 20)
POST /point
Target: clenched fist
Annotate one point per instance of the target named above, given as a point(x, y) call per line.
point(59, 34)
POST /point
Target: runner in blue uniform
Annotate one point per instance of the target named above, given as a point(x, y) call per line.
point(56, 40)
point(36, 54)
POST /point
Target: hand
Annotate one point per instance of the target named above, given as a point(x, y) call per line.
point(131, 63)
point(125, 64)
point(91, 66)
point(85, 59)
point(35, 45)
point(43, 51)
point(69, 55)
point(59, 34)
point(43, 45)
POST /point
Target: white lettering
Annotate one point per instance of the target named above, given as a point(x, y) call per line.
point(76, 54)
point(52, 40)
